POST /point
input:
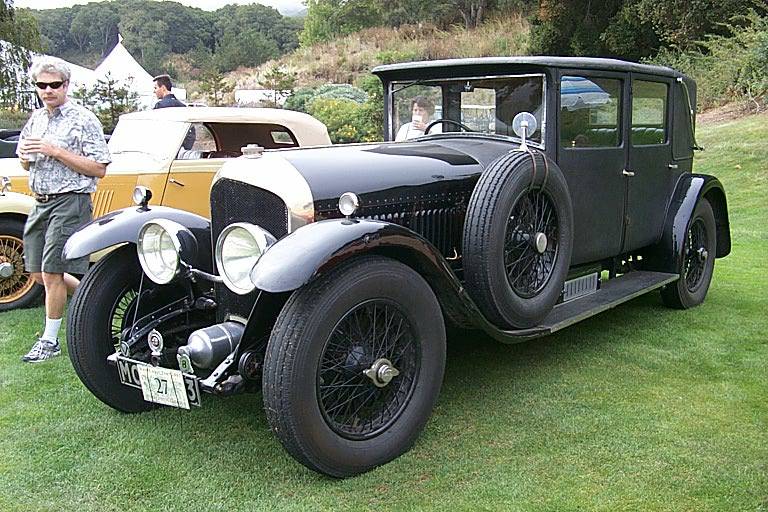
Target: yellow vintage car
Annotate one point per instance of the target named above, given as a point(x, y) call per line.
point(172, 151)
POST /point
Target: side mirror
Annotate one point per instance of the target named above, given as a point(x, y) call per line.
point(523, 125)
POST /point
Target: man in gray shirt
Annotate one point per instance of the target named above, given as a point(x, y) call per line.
point(63, 148)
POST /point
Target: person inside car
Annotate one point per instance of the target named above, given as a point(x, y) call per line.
point(422, 110)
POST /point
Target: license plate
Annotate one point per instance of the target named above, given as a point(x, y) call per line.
point(160, 385)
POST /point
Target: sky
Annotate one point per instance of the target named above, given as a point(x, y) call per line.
point(284, 6)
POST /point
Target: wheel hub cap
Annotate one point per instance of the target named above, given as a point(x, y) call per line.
point(6, 270)
point(702, 254)
point(540, 242)
point(381, 372)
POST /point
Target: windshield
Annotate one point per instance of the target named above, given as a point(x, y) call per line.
point(159, 139)
point(485, 105)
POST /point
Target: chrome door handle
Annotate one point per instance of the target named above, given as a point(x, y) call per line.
point(673, 166)
point(629, 173)
point(172, 180)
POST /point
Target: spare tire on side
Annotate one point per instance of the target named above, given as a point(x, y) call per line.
point(518, 236)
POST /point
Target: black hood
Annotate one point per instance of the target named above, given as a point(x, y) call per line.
point(374, 168)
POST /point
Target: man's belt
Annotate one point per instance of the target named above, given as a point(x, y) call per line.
point(46, 198)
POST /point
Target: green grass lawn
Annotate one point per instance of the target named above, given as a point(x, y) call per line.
point(640, 408)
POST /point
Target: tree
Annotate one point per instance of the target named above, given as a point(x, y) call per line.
point(281, 82)
point(109, 99)
point(328, 19)
point(247, 48)
point(18, 35)
point(54, 29)
point(472, 11)
point(115, 99)
point(215, 87)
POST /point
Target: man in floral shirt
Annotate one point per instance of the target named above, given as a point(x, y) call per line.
point(63, 148)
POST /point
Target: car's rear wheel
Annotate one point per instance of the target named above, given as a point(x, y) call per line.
point(697, 262)
point(354, 366)
point(17, 288)
point(103, 305)
point(518, 237)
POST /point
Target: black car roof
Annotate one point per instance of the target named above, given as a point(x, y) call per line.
point(430, 67)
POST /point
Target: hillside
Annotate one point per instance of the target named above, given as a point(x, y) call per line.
point(344, 59)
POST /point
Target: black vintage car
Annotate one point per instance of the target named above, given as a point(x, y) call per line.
point(528, 194)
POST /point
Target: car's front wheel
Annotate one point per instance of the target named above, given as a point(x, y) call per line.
point(103, 305)
point(17, 288)
point(697, 261)
point(354, 366)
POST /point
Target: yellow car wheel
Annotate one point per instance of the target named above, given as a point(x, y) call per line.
point(17, 288)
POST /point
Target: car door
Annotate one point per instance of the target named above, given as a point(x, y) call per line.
point(651, 170)
point(189, 179)
point(592, 155)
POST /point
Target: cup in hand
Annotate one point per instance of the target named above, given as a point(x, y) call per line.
point(30, 156)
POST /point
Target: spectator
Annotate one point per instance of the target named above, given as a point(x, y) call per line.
point(163, 86)
point(63, 148)
point(422, 110)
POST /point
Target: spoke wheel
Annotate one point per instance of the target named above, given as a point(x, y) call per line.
point(122, 313)
point(354, 366)
point(17, 288)
point(696, 262)
point(530, 244)
point(102, 306)
point(518, 236)
point(355, 400)
point(696, 255)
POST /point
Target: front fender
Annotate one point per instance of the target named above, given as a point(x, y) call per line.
point(691, 188)
point(123, 225)
point(13, 202)
point(317, 248)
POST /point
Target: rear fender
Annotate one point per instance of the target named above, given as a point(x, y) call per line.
point(691, 188)
point(121, 226)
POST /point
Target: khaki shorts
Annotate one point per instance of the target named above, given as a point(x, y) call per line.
point(48, 227)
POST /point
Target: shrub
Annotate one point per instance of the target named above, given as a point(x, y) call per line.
point(339, 116)
point(299, 98)
point(732, 67)
point(341, 92)
point(398, 55)
point(11, 119)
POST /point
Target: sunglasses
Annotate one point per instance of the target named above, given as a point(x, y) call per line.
point(53, 85)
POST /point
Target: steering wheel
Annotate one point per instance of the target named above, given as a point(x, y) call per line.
point(449, 121)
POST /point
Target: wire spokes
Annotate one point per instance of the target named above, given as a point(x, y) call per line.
point(532, 221)
point(352, 403)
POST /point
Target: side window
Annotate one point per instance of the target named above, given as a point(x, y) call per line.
point(589, 112)
point(649, 113)
point(197, 143)
point(282, 138)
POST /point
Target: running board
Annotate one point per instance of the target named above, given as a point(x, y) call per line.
point(612, 293)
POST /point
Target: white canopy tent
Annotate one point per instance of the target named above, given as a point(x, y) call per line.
point(121, 66)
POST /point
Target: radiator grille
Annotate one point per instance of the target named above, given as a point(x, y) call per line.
point(234, 201)
point(441, 226)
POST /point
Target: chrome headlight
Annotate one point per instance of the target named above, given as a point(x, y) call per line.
point(348, 203)
point(141, 196)
point(162, 245)
point(238, 249)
